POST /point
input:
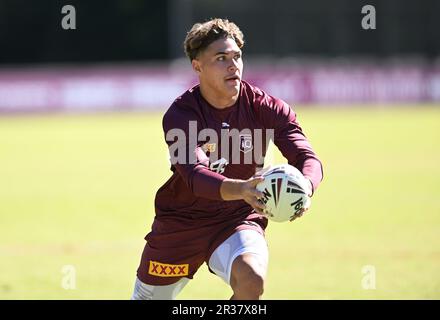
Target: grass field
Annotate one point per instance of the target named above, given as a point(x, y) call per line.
point(78, 191)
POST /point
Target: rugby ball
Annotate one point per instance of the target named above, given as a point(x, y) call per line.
point(286, 192)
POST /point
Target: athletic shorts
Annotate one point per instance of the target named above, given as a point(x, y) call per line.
point(168, 257)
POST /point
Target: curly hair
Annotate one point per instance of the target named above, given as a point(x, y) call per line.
point(202, 35)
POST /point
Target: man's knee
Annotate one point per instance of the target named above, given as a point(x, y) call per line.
point(253, 283)
point(248, 277)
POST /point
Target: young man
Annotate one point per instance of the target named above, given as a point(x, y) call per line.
point(208, 211)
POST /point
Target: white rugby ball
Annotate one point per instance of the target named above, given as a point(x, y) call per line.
point(286, 192)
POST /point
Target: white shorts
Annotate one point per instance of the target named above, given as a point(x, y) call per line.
point(220, 262)
point(244, 241)
point(144, 291)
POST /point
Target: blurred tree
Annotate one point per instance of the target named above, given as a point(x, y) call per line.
point(112, 30)
point(138, 30)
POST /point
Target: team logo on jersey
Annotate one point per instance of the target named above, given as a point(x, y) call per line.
point(168, 270)
point(219, 166)
point(246, 142)
point(209, 147)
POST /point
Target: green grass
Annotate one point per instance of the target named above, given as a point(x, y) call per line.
point(78, 190)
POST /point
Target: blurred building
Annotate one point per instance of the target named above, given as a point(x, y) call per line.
point(127, 54)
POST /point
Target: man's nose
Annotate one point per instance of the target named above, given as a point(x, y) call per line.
point(233, 66)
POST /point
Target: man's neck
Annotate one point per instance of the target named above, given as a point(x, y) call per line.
point(216, 101)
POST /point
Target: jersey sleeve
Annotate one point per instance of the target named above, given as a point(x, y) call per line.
point(290, 139)
point(189, 160)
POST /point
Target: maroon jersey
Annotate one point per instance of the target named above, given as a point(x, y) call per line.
point(191, 217)
point(193, 191)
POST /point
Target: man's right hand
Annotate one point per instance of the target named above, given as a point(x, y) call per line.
point(235, 189)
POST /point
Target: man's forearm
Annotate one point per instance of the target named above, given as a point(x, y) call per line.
point(231, 189)
point(312, 169)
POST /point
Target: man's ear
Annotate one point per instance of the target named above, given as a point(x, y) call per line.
point(196, 65)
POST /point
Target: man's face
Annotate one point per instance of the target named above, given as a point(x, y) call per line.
point(220, 67)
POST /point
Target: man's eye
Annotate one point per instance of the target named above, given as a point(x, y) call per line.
point(221, 58)
point(237, 57)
